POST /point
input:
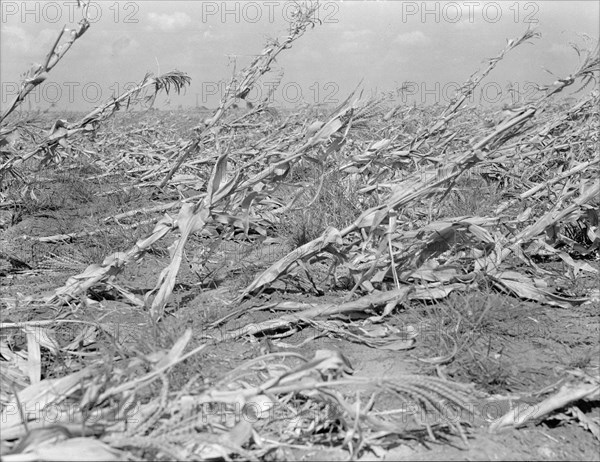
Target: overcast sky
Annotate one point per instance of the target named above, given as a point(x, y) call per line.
point(433, 44)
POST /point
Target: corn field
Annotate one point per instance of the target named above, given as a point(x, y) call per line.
point(261, 284)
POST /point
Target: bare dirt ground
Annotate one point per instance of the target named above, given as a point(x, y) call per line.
point(520, 349)
point(504, 346)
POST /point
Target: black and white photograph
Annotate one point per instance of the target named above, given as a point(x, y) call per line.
point(295, 230)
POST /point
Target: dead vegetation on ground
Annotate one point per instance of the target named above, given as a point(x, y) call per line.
point(389, 209)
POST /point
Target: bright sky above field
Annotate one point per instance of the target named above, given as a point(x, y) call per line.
point(434, 45)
